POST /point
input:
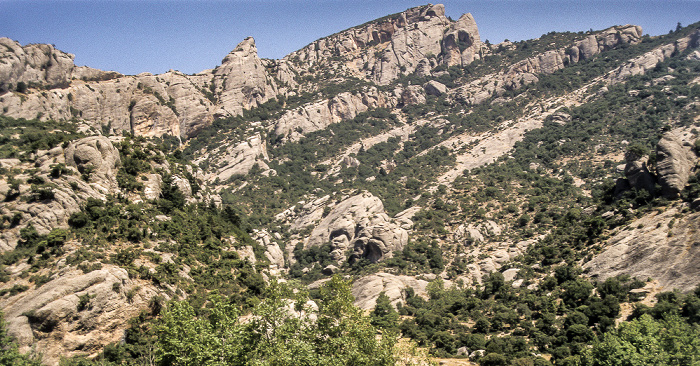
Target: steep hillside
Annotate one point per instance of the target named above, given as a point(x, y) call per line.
point(502, 204)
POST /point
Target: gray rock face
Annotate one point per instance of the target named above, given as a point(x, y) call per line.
point(241, 81)
point(55, 319)
point(236, 159)
point(96, 154)
point(39, 64)
point(675, 162)
point(153, 187)
point(151, 119)
point(654, 250)
point(147, 105)
point(383, 50)
point(366, 290)
point(319, 115)
point(359, 225)
point(413, 95)
point(526, 71)
point(641, 64)
point(182, 185)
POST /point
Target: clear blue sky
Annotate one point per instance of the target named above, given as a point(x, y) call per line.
point(190, 36)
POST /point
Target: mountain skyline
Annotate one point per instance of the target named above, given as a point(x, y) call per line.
point(190, 36)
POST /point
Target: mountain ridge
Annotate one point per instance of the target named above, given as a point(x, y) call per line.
point(477, 174)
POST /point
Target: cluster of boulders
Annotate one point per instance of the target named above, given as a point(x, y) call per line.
point(676, 160)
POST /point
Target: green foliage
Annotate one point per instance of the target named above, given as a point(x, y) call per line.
point(18, 137)
point(384, 316)
point(280, 332)
point(646, 341)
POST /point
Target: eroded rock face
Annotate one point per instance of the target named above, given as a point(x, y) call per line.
point(413, 95)
point(641, 64)
point(654, 249)
point(242, 81)
point(237, 159)
point(40, 64)
point(526, 71)
point(98, 156)
point(675, 163)
point(319, 115)
point(151, 119)
point(94, 157)
point(148, 105)
point(366, 290)
point(360, 227)
point(383, 50)
point(75, 313)
point(153, 187)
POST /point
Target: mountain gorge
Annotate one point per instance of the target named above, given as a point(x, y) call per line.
point(517, 203)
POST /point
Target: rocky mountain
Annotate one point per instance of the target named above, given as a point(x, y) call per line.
point(532, 193)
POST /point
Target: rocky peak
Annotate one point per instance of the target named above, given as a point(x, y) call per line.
point(241, 81)
point(384, 49)
point(40, 64)
point(245, 49)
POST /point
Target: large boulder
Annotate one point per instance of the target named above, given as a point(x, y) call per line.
point(366, 289)
point(359, 225)
point(96, 158)
point(675, 162)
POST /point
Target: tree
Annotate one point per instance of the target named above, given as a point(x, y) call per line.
point(646, 341)
point(21, 87)
point(384, 315)
point(284, 329)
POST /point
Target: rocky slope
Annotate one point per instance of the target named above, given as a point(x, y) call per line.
point(403, 153)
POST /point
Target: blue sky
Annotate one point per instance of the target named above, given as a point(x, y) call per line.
point(192, 35)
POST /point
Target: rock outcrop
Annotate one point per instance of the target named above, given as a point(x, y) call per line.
point(641, 64)
point(319, 115)
point(675, 161)
point(658, 246)
point(34, 64)
point(637, 173)
point(92, 163)
point(413, 95)
point(236, 159)
point(360, 227)
point(383, 50)
point(525, 72)
point(97, 158)
point(147, 105)
point(366, 290)
point(75, 312)
point(242, 82)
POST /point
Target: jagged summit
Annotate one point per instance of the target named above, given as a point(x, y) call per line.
point(398, 44)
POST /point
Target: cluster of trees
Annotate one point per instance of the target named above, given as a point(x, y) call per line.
point(564, 317)
point(18, 137)
point(284, 328)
